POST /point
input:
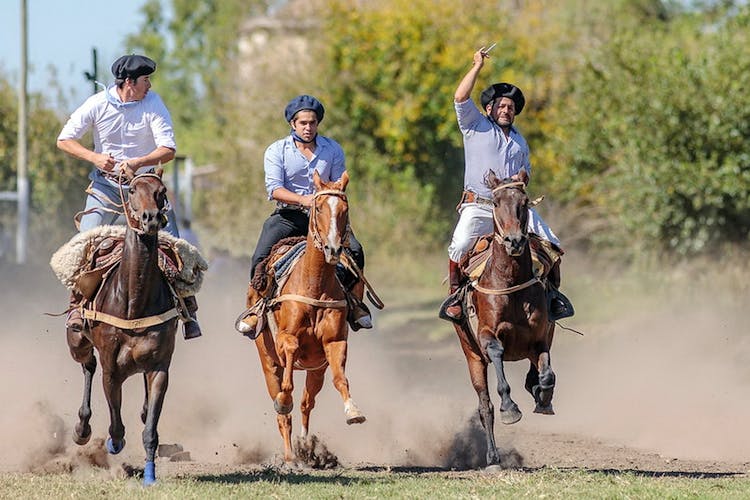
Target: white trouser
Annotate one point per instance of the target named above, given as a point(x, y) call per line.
point(476, 220)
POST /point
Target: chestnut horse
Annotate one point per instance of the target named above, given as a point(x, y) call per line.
point(132, 324)
point(310, 317)
point(511, 311)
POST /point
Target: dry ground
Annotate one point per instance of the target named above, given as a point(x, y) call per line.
point(660, 389)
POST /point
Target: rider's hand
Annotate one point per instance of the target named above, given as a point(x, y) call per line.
point(306, 200)
point(105, 162)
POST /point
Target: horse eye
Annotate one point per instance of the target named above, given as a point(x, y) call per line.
point(131, 190)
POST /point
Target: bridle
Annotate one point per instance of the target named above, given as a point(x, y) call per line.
point(498, 236)
point(499, 233)
point(130, 215)
point(314, 229)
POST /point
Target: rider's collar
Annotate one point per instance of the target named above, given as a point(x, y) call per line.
point(114, 99)
point(300, 139)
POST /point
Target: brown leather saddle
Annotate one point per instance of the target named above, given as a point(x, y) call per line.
point(107, 254)
point(544, 255)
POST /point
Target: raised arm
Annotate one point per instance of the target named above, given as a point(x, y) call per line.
point(463, 92)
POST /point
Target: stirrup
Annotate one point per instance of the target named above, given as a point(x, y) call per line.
point(360, 317)
point(454, 299)
point(566, 311)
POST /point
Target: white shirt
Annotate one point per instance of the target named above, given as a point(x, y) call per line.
point(126, 130)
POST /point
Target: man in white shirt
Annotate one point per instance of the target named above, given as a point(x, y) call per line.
point(133, 133)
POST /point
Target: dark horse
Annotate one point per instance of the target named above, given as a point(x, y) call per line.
point(511, 310)
point(310, 317)
point(132, 324)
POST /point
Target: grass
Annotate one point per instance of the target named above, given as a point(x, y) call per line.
point(347, 483)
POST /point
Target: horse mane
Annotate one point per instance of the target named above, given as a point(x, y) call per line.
point(260, 279)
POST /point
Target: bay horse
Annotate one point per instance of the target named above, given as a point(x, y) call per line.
point(132, 324)
point(310, 317)
point(511, 311)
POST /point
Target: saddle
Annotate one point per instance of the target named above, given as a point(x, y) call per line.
point(107, 254)
point(544, 255)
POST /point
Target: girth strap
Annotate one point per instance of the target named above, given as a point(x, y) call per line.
point(131, 324)
point(504, 291)
point(336, 304)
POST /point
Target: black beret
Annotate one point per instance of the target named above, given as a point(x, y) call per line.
point(132, 66)
point(304, 102)
point(497, 90)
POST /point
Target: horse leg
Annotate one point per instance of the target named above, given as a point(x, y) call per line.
point(313, 384)
point(336, 356)
point(283, 402)
point(113, 392)
point(82, 351)
point(540, 382)
point(509, 412)
point(478, 375)
point(144, 410)
point(157, 383)
point(285, 429)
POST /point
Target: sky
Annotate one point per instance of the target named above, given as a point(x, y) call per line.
point(62, 33)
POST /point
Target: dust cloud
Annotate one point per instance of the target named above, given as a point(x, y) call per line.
point(668, 377)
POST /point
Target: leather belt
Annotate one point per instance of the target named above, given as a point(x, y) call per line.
point(288, 206)
point(471, 197)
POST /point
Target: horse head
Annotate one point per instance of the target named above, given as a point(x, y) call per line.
point(147, 203)
point(511, 210)
point(329, 217)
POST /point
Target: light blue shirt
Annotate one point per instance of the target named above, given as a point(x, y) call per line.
point(285, 166)
point(487, 148)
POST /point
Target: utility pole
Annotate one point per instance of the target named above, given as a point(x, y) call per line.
point(92, 76)
point(22, 181)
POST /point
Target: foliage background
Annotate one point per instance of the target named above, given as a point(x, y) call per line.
point(637, 116)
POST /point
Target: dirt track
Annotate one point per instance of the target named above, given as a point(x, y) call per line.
point(657, 391)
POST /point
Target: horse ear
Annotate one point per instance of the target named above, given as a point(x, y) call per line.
point(344, 180)
point(316, 181)
point(159, 171)
point(491, 180)
point(523, 176)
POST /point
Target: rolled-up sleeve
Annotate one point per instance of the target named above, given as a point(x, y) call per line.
point(79, 123)
point(161, 126)
point(273, 165)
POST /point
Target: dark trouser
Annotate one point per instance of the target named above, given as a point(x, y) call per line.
point(285, 223)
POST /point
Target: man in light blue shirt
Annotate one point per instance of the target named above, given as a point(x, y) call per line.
point(289, 164)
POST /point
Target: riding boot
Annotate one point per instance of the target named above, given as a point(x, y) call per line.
point(247, 326)
point(359, 314)
point(452, 308)
point(74, 321)
point(191, 328)
point(559, 305)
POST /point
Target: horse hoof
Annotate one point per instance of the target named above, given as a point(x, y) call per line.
point(511, 416)
point(81, 438)
point(356, 419)
point(113, 448)
point(493, 469)
point(149, 474)
point(282, 409)
point(353, 414)
point(544, 410)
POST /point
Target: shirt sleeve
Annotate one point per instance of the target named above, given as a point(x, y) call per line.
point(467, 114)
point(161, 125)
point(338, 162)
point(273, 166)
point(79, 123)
